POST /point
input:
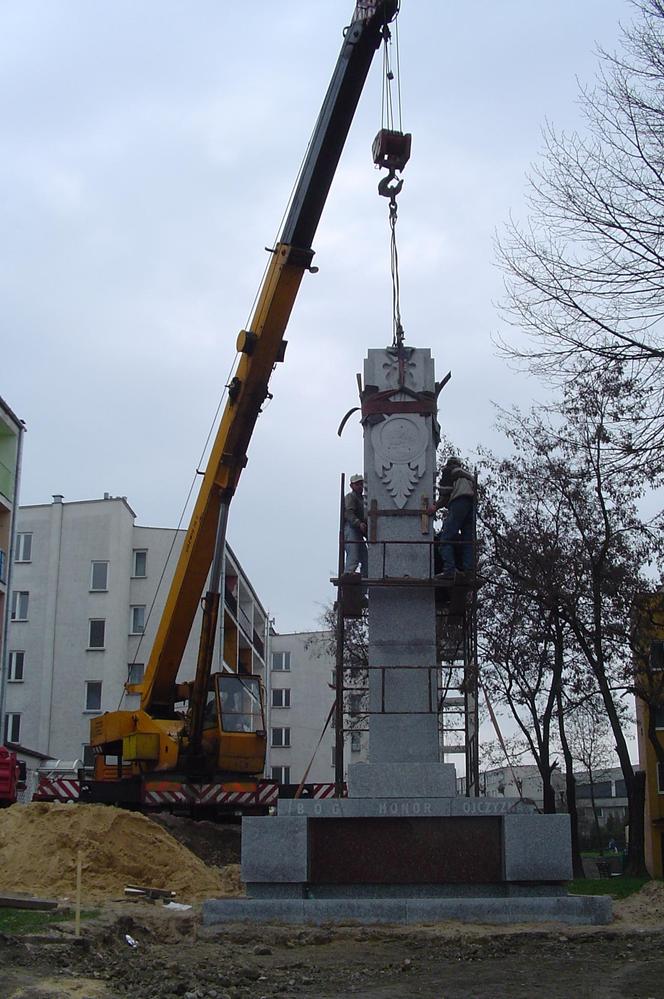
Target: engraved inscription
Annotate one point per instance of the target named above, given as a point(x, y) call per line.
point(402, 807)
point(498, 806)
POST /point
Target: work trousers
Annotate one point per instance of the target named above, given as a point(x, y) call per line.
point(356, 551)
point(457, 535)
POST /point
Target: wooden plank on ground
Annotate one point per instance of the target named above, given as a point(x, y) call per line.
point(9, 900)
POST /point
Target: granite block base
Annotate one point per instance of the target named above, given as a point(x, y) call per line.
point(402, 780)
point(571, 910)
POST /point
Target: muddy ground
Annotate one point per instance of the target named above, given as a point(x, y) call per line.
point(175, 956)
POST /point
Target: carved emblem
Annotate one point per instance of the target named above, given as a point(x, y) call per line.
point(400, 444)
point(392, 373)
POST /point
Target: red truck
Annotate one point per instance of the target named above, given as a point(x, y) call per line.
point(10, 777)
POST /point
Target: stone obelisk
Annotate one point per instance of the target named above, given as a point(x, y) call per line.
point(400, 438)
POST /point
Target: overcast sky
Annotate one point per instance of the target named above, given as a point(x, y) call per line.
point(147, 151)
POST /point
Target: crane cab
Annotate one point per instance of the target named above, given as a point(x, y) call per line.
point(234, 720)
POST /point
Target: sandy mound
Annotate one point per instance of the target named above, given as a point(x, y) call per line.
point(39, 844)
point(644, 907)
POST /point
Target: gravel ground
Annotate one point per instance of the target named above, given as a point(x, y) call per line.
point(175, 956)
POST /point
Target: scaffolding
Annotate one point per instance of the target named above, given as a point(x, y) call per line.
point(453, 683)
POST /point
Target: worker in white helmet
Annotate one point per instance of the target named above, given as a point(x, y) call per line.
point(355, 527)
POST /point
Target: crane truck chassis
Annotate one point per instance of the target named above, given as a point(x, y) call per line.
point(216, 799)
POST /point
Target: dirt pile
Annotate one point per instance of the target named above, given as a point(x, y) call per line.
point(216, 844)
point(39, 844)
point(644, 907)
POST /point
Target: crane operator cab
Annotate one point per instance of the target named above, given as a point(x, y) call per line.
point(234, 719)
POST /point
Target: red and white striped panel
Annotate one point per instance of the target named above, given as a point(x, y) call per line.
point(321, 790)
point(211, 794)
point(57, 789)
point(179, 794)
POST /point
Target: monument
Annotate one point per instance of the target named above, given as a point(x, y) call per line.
point(403, 846)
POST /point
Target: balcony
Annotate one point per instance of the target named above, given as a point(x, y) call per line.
point(7, 479)
point(3, 566)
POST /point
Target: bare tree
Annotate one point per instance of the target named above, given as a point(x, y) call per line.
point(589, 736)
point(355, 659)
point(572, 538)
point(585, 275)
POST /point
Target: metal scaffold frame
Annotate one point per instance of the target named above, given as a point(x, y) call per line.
point(455, 671)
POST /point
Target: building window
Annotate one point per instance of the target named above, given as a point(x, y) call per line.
point(99, 576)
point(281, 661)
point(657, 710)
point(16, 661)
point(93, 695)
point(281, 698)
point(281, 774)
point(137, 619)
point(23, 548)
point(281, 737)
point(660, 778)
point(12, 727)
point(355, 742)
point(657, 655)
point(140, 568)
point(135, 672)
point(20, 600)
point(97, 633)
point(355, 704)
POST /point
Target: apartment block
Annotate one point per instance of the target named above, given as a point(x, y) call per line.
point(302, 692)
point(87, 593)
point(11, 437)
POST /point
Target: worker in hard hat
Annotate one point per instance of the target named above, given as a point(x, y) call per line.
point(456, 491)
point(355, 527)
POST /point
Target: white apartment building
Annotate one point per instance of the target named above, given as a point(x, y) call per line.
point(301, 693)
point(11, 438)
point(86, 600)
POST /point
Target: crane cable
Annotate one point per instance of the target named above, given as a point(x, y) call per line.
point(387, 187)
point(397, 328)
point(387, 105)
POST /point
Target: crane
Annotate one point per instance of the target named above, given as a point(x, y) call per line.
point(222, 733)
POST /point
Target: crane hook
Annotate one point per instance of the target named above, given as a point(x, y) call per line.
point(390, 186)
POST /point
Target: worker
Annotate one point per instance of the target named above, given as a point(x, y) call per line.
point(456, 492)
point(234, 718)
point(355, 527)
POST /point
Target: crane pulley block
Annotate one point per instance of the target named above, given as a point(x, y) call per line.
point(391, 149)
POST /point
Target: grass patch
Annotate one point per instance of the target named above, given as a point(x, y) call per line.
point(17, 921)
point(618, 887)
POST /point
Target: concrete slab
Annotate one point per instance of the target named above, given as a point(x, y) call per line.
point(274, 848)
point(595, 910)
point(253, 910)
point(404, 779)
point(572, 910)
point(455, 891)
point(537, 847)
point(394, 739)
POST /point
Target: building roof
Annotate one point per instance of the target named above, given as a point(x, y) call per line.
point(17, 748)
point(20, 424)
